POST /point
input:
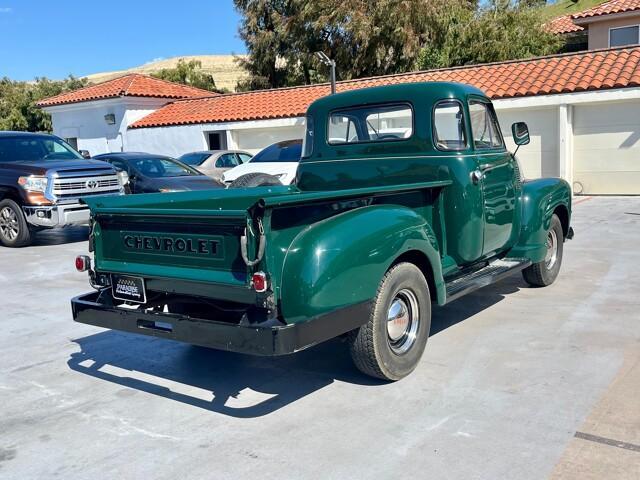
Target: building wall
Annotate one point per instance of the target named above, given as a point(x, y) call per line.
point(89, 127)
point(254, 140)
point(172, 141)
point(599, 30)
point(249, 136)
point(85, 121)
point(540, 157)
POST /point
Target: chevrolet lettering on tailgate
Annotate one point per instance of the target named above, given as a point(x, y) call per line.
point(173, 244)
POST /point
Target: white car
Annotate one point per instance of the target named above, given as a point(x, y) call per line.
point(215, 162)
point(280, 160)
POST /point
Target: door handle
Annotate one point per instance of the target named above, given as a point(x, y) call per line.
point(476, 176)
point(486, 167)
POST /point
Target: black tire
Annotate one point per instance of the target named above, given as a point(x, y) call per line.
point(372, 347)
point(255, 179)
point(14, 229)
point(544, 273)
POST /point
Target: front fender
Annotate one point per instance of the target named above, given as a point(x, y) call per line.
point(340, 261)
point(540, 198)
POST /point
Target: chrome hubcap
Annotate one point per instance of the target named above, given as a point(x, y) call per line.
point(9, 224)
point(551, 256)
point(403, 320)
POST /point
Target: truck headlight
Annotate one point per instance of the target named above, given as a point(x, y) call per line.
point(123, 177)
point(33, 183)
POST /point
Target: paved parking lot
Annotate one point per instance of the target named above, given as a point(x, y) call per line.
point(516, 383)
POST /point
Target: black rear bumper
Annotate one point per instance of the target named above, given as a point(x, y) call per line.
point(256, 339)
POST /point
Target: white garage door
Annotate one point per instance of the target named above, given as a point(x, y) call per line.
point(606, 148)
point(540, 157)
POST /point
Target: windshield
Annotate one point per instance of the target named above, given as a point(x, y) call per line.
point(280, 152)
point(35, 148)
point(156, 167)
point(194, 159)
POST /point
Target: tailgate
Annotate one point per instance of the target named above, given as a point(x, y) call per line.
point(186, 236)
point(183, 246)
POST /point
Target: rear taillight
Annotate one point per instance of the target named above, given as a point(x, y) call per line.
point(83, 263)
point(259, 281)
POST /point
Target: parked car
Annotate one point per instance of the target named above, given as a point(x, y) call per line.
point(215, 162)
point(422, 205)
point(150, 173)
point(41, 181)
point(279, 160)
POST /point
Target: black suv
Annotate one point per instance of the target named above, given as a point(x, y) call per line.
point(41, 181)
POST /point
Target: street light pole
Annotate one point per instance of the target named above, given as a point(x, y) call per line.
point(332, 64)
point(333, 77)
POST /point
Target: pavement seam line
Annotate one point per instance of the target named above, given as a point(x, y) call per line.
point(608, 441)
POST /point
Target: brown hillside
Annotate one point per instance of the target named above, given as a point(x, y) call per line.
point(223, 68)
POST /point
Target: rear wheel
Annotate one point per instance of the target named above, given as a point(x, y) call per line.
point(390, 345)
point(255, 179)
point(544, 273)
point(14, 229)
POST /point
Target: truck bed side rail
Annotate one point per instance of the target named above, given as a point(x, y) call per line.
point(307, 197)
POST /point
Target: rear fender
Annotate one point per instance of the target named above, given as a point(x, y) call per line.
point(540, 199)
point(340, 261)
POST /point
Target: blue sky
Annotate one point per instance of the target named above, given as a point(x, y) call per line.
point(54, 38)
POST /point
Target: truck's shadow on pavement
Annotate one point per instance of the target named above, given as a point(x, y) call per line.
point(59, 236)
point(238, 385)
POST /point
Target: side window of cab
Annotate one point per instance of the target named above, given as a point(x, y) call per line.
point(448, 126)
point(484, 126)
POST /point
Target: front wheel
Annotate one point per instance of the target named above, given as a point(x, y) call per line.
point(390, 345)
point(14, 229)
point(544, 273)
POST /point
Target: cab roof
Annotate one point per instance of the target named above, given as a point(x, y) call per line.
point(416, 93)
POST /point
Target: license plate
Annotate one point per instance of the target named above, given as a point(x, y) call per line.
point(130, 289)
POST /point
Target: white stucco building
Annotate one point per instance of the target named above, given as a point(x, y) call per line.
point(583, 112)
point(97, 117)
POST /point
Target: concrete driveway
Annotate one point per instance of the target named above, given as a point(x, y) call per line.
point(516, 383)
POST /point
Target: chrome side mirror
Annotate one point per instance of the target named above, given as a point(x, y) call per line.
point(85, 154)
point(520, 133)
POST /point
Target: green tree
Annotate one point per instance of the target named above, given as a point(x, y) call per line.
point(496, 32)
point(18, 110)
point(368, 38)
point(364, 38)
point(265, 29)
point(188, 73)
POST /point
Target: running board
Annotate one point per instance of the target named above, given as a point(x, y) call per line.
point(492, 273)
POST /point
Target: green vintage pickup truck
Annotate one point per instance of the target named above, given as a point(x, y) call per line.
point(405, 197)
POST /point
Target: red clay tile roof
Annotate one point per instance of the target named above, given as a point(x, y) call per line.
point(563, 24)
point(613, 6)
point(132, 85)
point(593, 70)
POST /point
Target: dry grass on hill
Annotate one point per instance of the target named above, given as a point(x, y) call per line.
point(565, 7)
point(223, 68)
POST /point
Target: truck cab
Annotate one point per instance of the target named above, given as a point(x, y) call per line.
point(405, 198)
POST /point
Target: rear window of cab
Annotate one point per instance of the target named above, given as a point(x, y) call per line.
point(376, 123)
